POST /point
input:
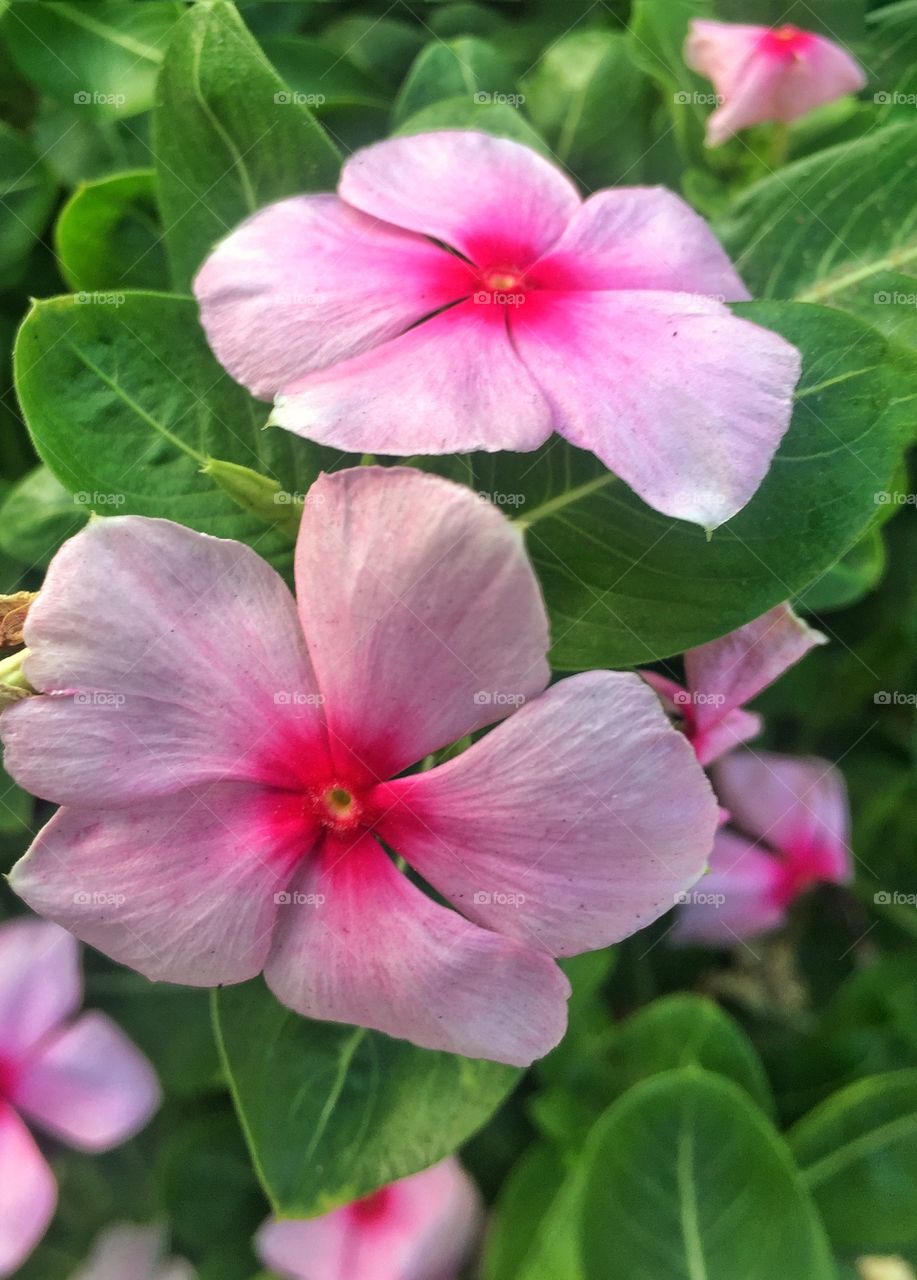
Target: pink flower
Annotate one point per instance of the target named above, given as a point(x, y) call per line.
point(82, 1082)
point(764, 73)
point(458, 294)
point(791, 831)
point(224, 768)
point(725, 674)
point(127, 1252)
point(420, 1228)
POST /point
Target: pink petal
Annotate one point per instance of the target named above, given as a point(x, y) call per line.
point(451, 384)
point(798, 804)
point(28, 1193)
point(678, 397)
point(721, 50)
point(173, 658)
point(128, 1252)
point(715, 738)
point(310, 281)
point(498, 202)
point(570, 826)
point(423, 616)
point(181, 888)
point(726, 673)
point(640, 238)
point(360, 944)
point(90, 1086)
point(737, 899)
point(40, 984)
point(419, 1228)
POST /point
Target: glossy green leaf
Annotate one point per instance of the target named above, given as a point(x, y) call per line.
point(332, 1112)
point(626, 585)
point(229, 136)
point(858, 1153)
point(27, 195)
point(463, 68)
point(685, 1178)
point(37, 515)
point(125, 404)
point(108, 235)
point(854, 576)
point(810, 232)
point(100, 55)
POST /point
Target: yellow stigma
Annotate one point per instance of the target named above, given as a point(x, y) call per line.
point(502, 280)
point(786, 33)
point(339, 800)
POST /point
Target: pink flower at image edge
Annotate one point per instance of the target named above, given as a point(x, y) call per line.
point(240, 752)
point(420, 1228)
point(762, 73)
point(458, 294)
point(80, 1081)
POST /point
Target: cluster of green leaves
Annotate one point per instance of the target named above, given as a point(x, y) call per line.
point(133, 136)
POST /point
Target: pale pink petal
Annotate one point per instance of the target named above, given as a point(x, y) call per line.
point(180, 888)
point(568, 827)
point(89, 1086)
point(726, 673)
point(797, 804)
point(681, 399)
point(640, 238)
point(40, 984)
point(755, 100)
point(831, 73)
point(419, 1228)
point(719, 737)
point(423, 615)
point(28, 1192)
point(673, 696)
point(497, 201)
point(449, 385)
point(310, 281)
point(721, 50)
point(128, 1252)
point(171, 658)
point(358, 943)
point(739, 898)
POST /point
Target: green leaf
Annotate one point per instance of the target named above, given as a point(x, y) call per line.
point(463, 68)
point(332, 1112)
point(108, 235)
point(685, 1178)
point(37, 516)
point(852, 578)
point(497, 118)
point(100, 55)
point(529, 1230)
point(840, 228)
point(568, 95)
point(627, 585)
point(125, 404)
point(229, 136)
point(27, 195)
point(659, 33)
point(858, 1153)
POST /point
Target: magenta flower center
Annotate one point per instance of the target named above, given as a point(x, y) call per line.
point(339, 808)
point(8, 1074)
point(785, 42)
point(371, 1207)
point(801, 870)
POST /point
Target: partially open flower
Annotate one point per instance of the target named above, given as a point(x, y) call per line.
point(767, 73)
point(80, 1081)
point(720, 677)
point(457, 294)
point(128, 1252)
point(419, 1228)
point(790, 830)
point(233, 778)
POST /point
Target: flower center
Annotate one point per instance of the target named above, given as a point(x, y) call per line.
point(339, 808)
point(786, 41)
point(502, 279)
point(372, 1206)
point(8, 1075)
point(502, 287)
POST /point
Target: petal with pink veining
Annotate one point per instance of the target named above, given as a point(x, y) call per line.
point(180, 888)
point(40, 984)
point(798, 804)
point(739, 898)
point(28, 1192)
point(449, 385)
point(89, 1086)
point(171, 658)
point(498, 202)
point(423, 616)
point(358, 943)
point(684, 401)
point(422, 1228)
point(640, 238)
point(568, 827)
point(310, 281)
